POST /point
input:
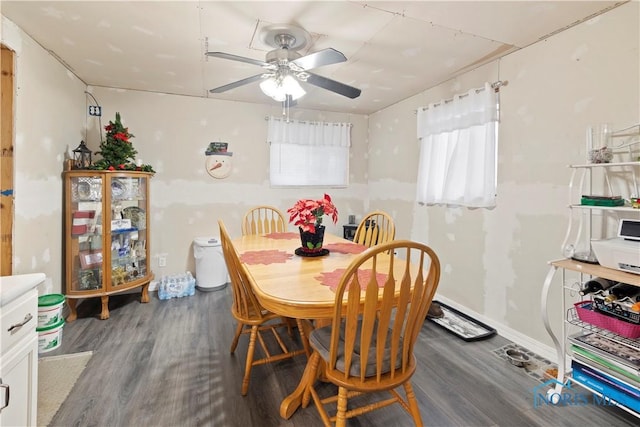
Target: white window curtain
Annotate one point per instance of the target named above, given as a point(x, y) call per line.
point(308, 153)
point(458, 149)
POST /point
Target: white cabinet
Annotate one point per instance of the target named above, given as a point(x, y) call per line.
point(19, 349)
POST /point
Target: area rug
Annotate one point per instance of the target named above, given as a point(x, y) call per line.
point(537, 367)
point(56, 377)
point(460, 324)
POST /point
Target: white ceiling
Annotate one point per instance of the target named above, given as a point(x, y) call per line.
point(395, 49)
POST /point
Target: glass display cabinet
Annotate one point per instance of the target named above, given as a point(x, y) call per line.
point(106, 235)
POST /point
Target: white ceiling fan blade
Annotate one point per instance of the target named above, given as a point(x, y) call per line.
point(239, 83)
point(318, 59)
point(333, 86)
point(240, 59)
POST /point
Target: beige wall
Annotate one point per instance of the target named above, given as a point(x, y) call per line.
point(49, 117)
point(494, 262)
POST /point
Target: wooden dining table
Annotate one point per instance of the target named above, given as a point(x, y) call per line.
point(295, 286)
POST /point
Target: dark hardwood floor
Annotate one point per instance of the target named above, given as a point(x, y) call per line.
point(167, 363)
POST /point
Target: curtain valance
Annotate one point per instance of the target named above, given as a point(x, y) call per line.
point(308, 133)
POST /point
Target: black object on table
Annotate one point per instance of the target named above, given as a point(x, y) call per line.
point(349, 231)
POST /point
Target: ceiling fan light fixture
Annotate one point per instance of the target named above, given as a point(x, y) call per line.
point(291, 87)
point(279, 87)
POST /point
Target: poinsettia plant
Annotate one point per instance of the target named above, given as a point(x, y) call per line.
point(307, 213)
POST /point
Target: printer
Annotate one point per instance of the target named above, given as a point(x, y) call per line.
point(622, 252)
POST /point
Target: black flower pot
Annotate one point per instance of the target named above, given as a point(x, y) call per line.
point(312, 242)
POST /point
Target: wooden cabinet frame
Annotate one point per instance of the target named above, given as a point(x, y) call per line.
point(106, 252)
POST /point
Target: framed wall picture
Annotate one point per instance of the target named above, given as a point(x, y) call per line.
point(90, 259)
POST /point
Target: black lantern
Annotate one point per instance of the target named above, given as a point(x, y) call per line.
point(81, 157)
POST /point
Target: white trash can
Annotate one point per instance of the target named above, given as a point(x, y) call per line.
point(211, 270)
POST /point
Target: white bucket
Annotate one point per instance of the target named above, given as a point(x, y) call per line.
point(49, 309)
point(50, 337)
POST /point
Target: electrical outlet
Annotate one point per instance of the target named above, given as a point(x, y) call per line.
point(95, 110)
point(162, 260)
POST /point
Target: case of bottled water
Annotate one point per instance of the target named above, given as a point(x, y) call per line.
point(176, 286)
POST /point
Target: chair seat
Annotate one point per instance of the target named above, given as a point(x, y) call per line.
point(320, 340)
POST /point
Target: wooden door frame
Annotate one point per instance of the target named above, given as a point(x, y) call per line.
point(7, 196)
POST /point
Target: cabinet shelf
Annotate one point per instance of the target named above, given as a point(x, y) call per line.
point(125, 231)
point(597, 270)
point(604, 165)
point(606, 208)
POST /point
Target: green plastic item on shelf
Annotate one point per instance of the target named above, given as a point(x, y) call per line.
point(602, 202)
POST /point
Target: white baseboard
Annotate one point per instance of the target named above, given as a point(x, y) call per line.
point(511, 334)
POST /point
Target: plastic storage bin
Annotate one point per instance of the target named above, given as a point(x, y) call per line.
point(211, 270)
point(50, 336)
point(49, 309)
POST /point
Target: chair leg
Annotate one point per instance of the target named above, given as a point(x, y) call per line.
point(413, 404)
point(249, 362)
point(234, 343)
point(341, 415)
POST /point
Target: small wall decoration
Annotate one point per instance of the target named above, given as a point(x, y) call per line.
point(218, 160)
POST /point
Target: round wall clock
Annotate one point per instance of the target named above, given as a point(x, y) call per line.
point(219, 165)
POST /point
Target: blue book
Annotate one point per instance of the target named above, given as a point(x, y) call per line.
point(608, 386)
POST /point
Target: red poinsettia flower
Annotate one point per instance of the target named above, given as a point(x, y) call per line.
point(308, 213)
point(111, 168)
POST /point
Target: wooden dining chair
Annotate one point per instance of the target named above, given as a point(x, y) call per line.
point(252, 318)
point(368, 348)
point(263, 220)
point(375, 228)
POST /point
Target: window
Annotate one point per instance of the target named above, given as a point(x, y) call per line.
point(458, 150)
point(308, 153)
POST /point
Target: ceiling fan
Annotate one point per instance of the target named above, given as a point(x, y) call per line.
point(285, 67)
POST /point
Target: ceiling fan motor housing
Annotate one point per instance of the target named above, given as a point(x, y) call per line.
point(282, 56)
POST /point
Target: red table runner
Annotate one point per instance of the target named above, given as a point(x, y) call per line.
point(331, 279)
point(272, 256)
